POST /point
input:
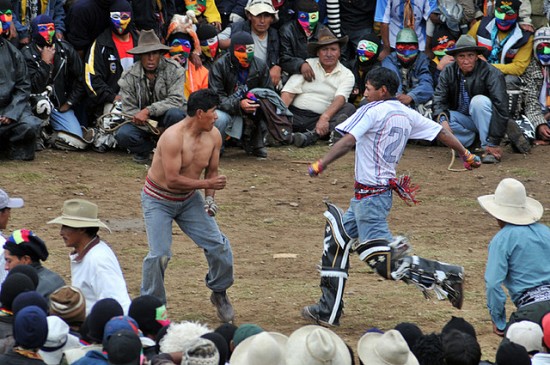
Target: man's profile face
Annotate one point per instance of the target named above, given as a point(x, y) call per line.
point(4, 217)
point(466, 61)
point(373, 94)
point(260, 23)
point(150, 61)
point(329, 55)
point(208, 118)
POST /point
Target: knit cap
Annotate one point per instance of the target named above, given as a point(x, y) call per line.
point(69, 304)
point(460, 324)
point(27, 270)
point(244, 331)
point(27, 299)
point(542, 35)
point(120, 5)
point(221, 345)
point(410, 332)
point(124, 348)
point(206, 31)
point(30, 328)
point(510, 353)
point(200, 351)
point(14, 285)
point(150, 313)
point(101, 313)
point(24, 242)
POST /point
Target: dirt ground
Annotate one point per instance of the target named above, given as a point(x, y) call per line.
point(271, 207)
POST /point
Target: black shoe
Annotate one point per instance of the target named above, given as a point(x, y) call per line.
point(223, 306)
point(518, 140)
point(311, 313)
point(260, 152)
point(456, 295)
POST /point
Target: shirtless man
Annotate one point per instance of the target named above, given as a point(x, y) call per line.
point(183, 152)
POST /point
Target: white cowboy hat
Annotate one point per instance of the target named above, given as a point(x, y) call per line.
point(511, 204)
point(316, 345)
point(388, 348)
point(266, 348)
point(79, 213)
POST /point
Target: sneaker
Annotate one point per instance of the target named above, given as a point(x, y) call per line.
point(311, 313)
point(335, 136)
point(223, 306)
point(518, 140)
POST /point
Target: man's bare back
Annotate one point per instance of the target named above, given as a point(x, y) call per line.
point(183, 152)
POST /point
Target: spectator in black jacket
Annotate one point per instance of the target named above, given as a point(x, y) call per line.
point(153, 14)
point(86, 20)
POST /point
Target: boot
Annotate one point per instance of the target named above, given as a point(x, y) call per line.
point(444, 279)
point(223, 306)
point(305, 139)
point(257, 144)
point(328, 310)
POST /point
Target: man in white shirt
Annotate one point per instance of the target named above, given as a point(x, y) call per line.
point(6, 204)
point(319, 104)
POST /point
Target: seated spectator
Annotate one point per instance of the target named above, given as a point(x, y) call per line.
point(543, 358)
point(30, 331)
point(470, 100)
point(23, 247)
point(205, 11)
point(108, 57)
point(54, 64)
point(221, 346)
point(151, 316)
point(460, 348)
point(124, 348)
point(59, 340)
point(315, 344)
point(527, 334)
point(318, 106)
point(428, 350)
point(510, 353)
point(151, 89)
point(385, 348)
point(260, 15)
point(94, 267)
point(69, 304)
point(266, 348)
point(210, 45)
point(442, 41)
point(19, 129)
point(410, 332)
point(295, 36)
point(231, 77)
point(153, 15)
point(366, 58)
point(6, 205)
point(26, 11)
point(412, 69)
point(487, 8)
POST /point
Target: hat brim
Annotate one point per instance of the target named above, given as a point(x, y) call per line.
point(296, 347)
point(521, 216)
point(314, 46)
point(148, 49)
point(15, 203)
point(239, 356)
point(455, 51)
point(79, 223)
point(367, 352)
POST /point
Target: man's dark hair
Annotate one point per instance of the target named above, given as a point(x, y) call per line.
point(91, 231)
point(202, 99)
point(460, 348)
point(382, 76)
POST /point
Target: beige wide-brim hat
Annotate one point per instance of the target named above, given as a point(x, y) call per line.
point(148, 42)
point(511, 204)
point(316, 345)
point(79, 213)
point(266, 348)
point(389, 348)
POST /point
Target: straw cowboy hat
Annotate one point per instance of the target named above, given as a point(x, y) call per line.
point(466, 43)
point(511, 204)
point(388, 348)
point(325, 37)
point(316, 345)
point(266, 348)
point(148, 42)
point(79, 213)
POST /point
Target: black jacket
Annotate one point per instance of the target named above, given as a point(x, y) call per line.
point(65, 75)
point(85, 21)
point(294, 47)
point(272, 41)
point(103, 68)
point(144, 15)
point(222, 78)
point(483, 80)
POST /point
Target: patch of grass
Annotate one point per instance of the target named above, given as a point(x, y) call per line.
point(521, 172)
point(27, 177)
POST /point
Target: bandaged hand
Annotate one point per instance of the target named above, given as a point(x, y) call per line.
point(470, 160)
point(315, 168)
point(210, 206)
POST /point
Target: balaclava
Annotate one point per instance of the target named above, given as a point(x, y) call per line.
point(208, 37)
point(180, 44)
point(368, 49)
point(406, 46)
point(307, 15)
point(442, 40)
point(198, 6)
point(541, 45)
point(43, 30)
point(5, 16)
point(121, 16)
point(242, 48)
point(506, 14)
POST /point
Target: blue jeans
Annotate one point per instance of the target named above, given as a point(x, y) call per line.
point(366, 219)
point(141, 142)
point(193, 220)
point(465, 127)
point(66, 122)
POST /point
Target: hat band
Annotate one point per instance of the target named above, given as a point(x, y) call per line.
point(52, 349)
point(83, 219)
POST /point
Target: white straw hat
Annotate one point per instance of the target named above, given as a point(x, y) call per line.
point(266, 348)
point(511, 204)
point(316, 345)
point(388, 348)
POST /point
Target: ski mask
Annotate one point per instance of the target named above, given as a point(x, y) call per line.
point(208, 38)
point(506, 14)
point(198, 6)
point(121, 16)
point(308, 21)
point(368, 49)
point(242, 48)
point(442, 41)
point(5, 16)
point(180, 44)
point(43, 30)
point(406, 53)
point(541, 45)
